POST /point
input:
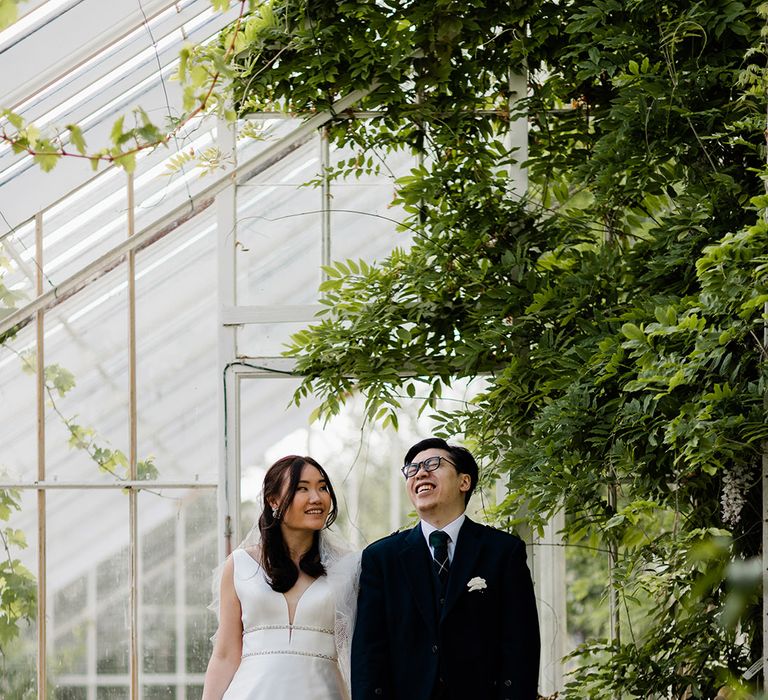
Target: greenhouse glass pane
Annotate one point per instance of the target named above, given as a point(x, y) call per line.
point(364, 221)
point(200, 550)
point(159, 648)
point(92, 220)
point(178, 553)
point(86, 342)
point(112, 628)
point(199, 561)
point(18, 408)
point(177, 376)
point(88, 585)
point(364, 226)
point(127, 59)
point(266, 339)
point(84, 226)
point(72, 621)
point(268, 426)
point(201, 626)
point(17, 275)
point(18, 664)
point(25, 8)
point(112, 693)
point(278, 232)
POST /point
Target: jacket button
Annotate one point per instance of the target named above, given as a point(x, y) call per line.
point(378, 691)
point(434, 648)
point(507, 683)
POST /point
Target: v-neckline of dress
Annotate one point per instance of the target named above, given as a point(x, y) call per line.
point(292, 622)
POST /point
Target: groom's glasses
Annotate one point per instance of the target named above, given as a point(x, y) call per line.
point(428, 465)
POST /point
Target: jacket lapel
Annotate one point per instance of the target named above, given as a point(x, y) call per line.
point(465, 557)
point(417, 569)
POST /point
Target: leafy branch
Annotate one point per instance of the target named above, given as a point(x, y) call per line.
point(200, 97)
point(18, 594)
point(58, 382)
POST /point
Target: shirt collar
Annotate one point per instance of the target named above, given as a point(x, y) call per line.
point(451, 529)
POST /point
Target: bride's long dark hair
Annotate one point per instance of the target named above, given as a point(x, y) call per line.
point(275, 558)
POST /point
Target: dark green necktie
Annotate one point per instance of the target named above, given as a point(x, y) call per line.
point(439, 543)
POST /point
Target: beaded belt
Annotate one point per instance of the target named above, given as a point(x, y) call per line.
point(257, 628)
point(290, 651)
point(307, 628)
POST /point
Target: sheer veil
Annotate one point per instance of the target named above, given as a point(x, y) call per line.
point(342, 568)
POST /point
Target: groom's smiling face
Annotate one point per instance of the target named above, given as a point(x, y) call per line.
point(438, 495)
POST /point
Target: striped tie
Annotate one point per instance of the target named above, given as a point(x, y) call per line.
point(438, 540)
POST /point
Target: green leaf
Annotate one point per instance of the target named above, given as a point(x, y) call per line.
point(16, 538)
point(116, 134)
point(76, 137)
point(633, 332)
point(46, 160)
point(8, 13)
point(59, 379)
point(127, 161)
point(666, 315)
point(14, 119)
point(147, 470)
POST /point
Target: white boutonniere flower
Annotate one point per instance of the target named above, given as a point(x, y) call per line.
point(476, 584)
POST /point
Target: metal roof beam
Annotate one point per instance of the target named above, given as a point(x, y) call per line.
point(71, 39)
point(172, 220)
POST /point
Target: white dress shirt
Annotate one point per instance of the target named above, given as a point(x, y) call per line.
point(451, 529)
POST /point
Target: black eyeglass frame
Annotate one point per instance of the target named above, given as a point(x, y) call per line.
point(423, 465)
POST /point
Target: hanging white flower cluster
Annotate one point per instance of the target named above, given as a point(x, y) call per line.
point(736, 481)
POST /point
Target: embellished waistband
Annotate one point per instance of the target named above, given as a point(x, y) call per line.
point(307, 628)
point(291, 651)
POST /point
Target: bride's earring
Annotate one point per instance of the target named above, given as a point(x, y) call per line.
point(274, 512)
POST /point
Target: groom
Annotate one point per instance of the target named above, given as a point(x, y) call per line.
point(446, 610)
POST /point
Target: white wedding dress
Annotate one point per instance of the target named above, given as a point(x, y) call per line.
point(283, 661)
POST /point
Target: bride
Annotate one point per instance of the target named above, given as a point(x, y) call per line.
point(287, 597)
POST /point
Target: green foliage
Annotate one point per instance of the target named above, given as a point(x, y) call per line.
point(47, 149)
point(616, 311)
point(58, 382)
point(8, 297)
point(18, 591)
point(8, 12)
point(211, 159)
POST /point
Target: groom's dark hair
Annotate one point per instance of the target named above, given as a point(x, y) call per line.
point(461, 456)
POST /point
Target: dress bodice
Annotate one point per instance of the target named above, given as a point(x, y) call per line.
point(265, 616)
point(280, 660)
